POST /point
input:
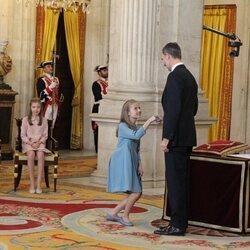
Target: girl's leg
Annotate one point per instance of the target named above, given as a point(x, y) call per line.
point(30, 160)
point(40, 166)
point(119, 207)
point(131, 199)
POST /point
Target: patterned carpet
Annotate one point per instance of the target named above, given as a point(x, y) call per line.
point(74, 218)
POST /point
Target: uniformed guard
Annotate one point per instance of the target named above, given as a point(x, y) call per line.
point(48, 91)
point(99, 88)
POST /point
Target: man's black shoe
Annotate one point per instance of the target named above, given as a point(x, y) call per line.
point(162, 230)
point(171, 230)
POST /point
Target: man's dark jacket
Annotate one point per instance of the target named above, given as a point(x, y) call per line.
point(180, 104)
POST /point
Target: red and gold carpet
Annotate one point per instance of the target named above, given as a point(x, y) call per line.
point(74, 218)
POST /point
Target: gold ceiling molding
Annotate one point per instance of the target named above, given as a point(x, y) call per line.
point(59, 5)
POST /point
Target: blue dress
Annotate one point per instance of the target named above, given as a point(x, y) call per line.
point(123, 165)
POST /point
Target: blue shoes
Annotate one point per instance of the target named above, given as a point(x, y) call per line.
point(125, 223)
point(110, 217)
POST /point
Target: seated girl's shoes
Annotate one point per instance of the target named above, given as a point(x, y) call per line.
point(32, 190)
point(39, 190)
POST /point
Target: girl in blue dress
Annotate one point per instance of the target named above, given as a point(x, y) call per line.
point(125, 167)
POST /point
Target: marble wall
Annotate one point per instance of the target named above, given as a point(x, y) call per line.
point(17, 26)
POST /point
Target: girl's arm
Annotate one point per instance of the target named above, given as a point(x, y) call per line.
point(45, 131)
point(24, 129)
point(125, 132)
point(150, 120)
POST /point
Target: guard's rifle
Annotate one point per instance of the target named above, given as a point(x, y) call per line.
point(54, 56)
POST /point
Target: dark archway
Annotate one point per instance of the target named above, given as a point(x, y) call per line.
point(62, 129)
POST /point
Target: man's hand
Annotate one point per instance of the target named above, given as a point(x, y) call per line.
point(53, 85)
point(56, 80)
point(164, 145)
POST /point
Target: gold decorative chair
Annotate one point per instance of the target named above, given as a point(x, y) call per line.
point(20, 159)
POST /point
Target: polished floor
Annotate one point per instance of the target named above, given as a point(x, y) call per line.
point(75, 154)
point(74, 216)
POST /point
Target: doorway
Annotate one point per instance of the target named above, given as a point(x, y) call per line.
point(62, 129)
point(67, 31)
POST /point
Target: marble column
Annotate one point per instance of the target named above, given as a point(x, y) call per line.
point(138, 31)
point(18, 27)
point(21, 35)
point(133, 64)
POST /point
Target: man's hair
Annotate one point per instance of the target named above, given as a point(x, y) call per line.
point(172, 49)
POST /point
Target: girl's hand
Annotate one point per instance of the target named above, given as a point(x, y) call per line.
point(155, 118)
point(140, 169)
point(158, 119)
point(35, 145)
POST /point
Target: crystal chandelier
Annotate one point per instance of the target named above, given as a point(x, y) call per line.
point(73, 5)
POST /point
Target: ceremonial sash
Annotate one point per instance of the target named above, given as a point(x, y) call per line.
point(104, 85)
point(52, 94)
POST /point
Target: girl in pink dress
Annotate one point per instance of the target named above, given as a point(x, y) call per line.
point(34, 133)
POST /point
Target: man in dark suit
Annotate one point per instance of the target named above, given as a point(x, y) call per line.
point(180, 103)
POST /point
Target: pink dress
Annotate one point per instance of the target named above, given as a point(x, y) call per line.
point(34, 133)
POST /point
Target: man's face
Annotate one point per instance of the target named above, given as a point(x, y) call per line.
point(165, 58)
point(104, 73)
point(48, 69)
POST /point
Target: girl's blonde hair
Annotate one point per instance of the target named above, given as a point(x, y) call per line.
point(124, 114)
point(35, 100)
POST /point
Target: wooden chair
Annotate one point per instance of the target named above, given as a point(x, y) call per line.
point(20, 159)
